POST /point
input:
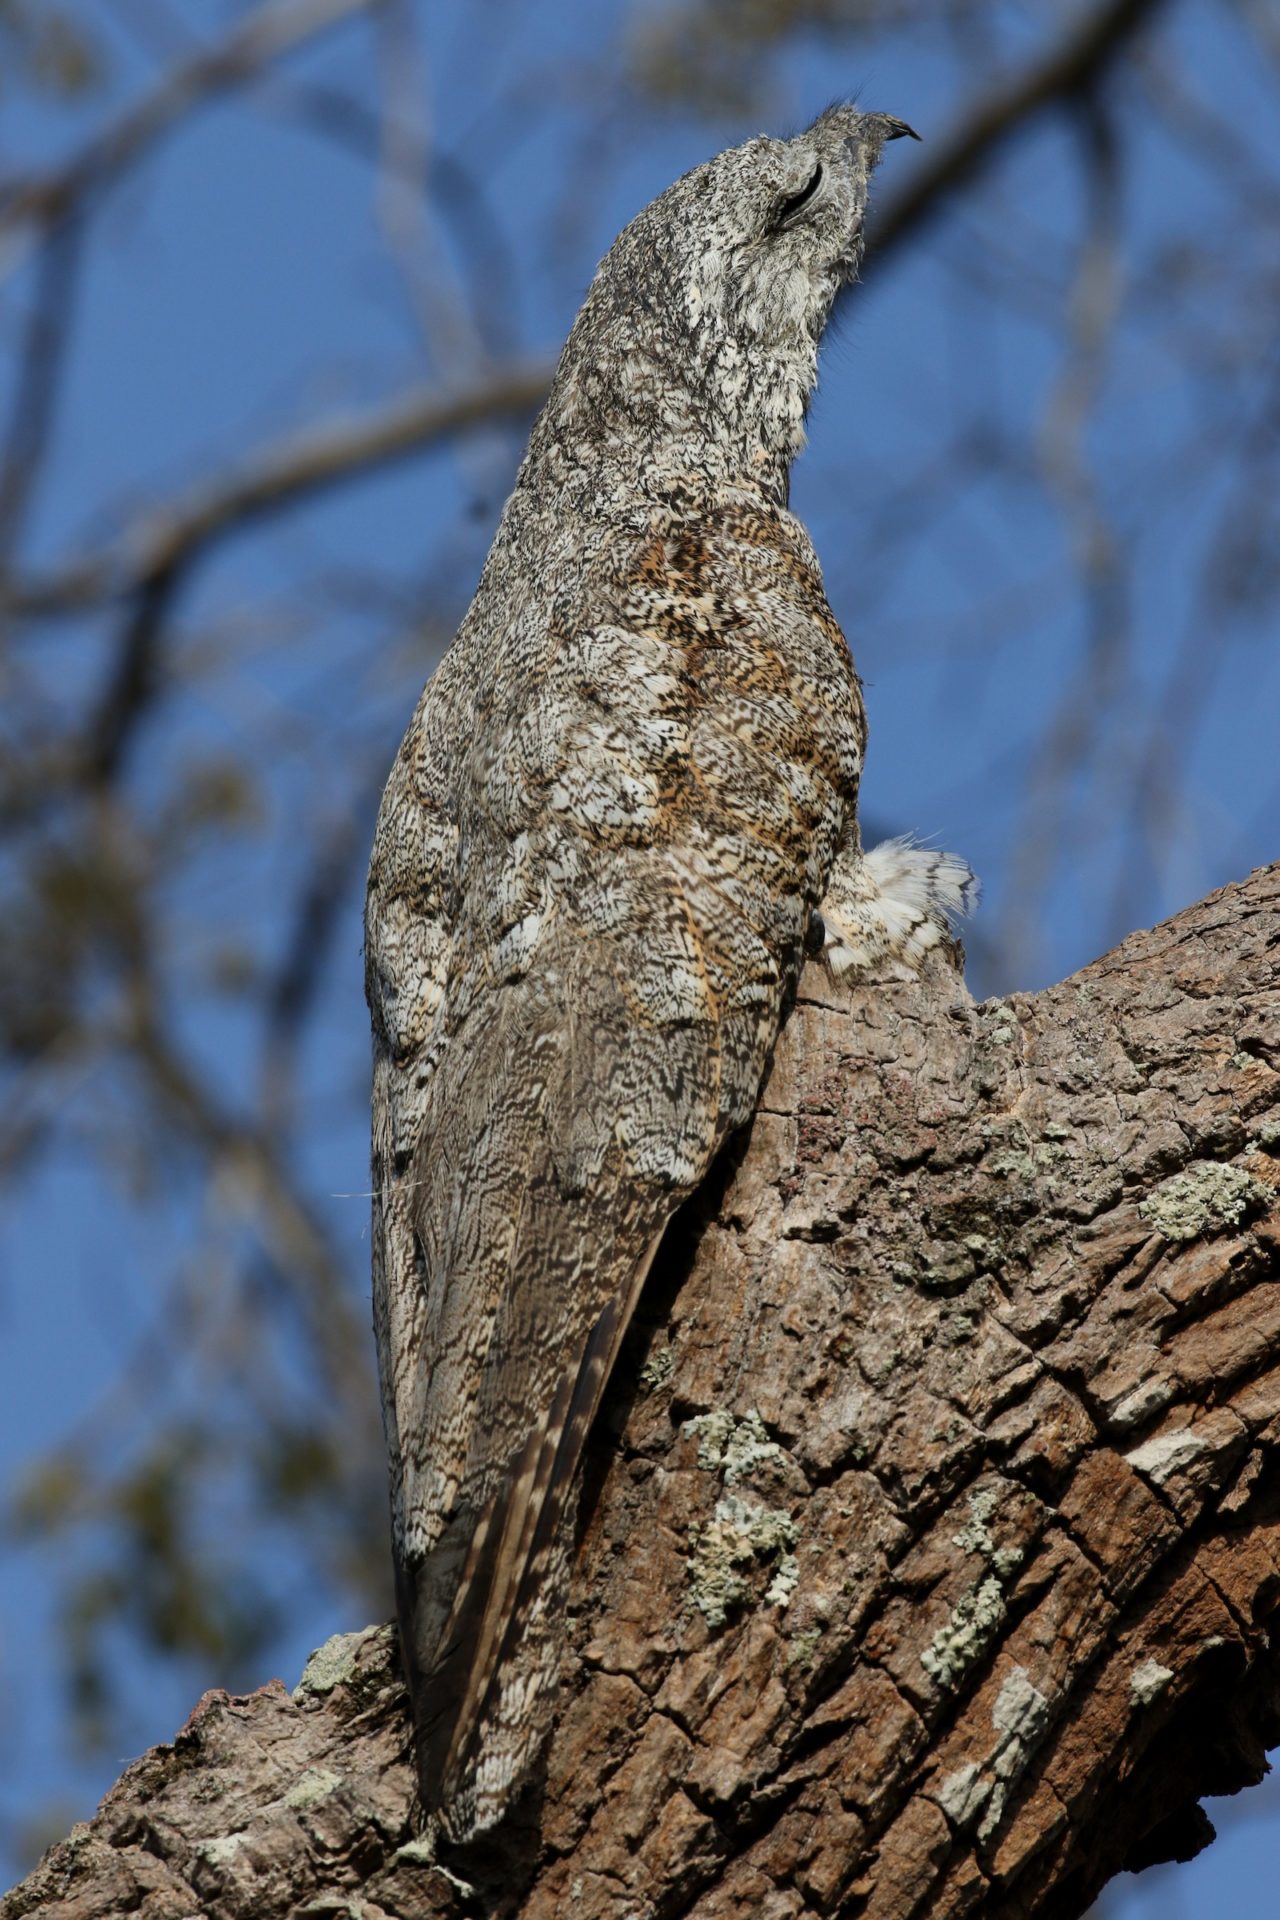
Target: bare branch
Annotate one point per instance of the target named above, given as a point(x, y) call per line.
point(249, 1168)
point(1070, 69)
point(43, 200)
point(1071, 740)
point(166, 544)
point(339, 854)
point(38, 379)
point(132, 682)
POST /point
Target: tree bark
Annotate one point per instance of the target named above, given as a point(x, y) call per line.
point(932, 1533)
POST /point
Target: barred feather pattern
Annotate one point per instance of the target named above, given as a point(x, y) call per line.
point(613, 820)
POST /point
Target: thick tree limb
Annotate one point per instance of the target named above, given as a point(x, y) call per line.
point(931, 1546)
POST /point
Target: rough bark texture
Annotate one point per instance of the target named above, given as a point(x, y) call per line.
point(933, 1532)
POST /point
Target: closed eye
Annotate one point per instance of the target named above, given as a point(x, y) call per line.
point(786, 209)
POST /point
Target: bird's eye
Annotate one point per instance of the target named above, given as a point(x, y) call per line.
point(786, 210)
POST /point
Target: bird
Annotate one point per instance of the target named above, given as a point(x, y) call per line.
point(624, 810)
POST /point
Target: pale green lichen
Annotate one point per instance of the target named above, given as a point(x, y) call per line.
point(956, 1646)
point(954, 1329)
point(658, 1369)
point(1020, 1164)
point(417, 1853)
point(1148, 1682)
point(975, 1536)
point(334, 1663)
point(735, 1540)
point(1019, 1719)
point(316, 1784)
point(735, 1447)
point(1268, 1136)
point(1167, 1453)
point(784, 1582)
point(422, 1853)
point(950, 1268)
point(1020, 1716)
point(803, 1648)
point(963, 1794)
point(712, 1432)
point(1025, 1164)
point(222, 1851)
point(1208, 1194)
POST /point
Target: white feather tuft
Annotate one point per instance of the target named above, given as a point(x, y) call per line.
point(885, 909)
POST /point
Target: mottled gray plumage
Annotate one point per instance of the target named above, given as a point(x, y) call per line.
point(623, 798)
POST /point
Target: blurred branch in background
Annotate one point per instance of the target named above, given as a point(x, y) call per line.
point(42, 200)
point(1072, 744)
point(1068, 73)
point(166, 542)
point(285, 285)
point(35, 391)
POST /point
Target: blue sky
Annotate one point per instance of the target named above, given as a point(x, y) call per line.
point(239, 288)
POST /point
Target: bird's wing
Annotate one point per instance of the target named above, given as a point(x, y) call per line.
point(409, 911)
point(537, 1231)
point(572, 1108)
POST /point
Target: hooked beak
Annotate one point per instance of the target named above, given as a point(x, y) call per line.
point(895, 129)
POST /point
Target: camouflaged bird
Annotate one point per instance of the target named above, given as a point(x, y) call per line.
point(626, 800)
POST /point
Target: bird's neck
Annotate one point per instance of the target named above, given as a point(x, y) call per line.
point(733, 418)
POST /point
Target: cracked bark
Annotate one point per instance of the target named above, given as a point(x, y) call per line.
point(933, 1530)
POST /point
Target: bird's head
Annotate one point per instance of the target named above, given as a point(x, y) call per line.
point(698, 341)
point(778, 226)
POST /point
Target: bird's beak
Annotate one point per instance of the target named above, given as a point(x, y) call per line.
point(895, 129)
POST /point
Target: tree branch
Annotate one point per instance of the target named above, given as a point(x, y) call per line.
point(39, 381)
point(928, 1553)
point(1069, 69)
point(43, 200)
point(166, 544)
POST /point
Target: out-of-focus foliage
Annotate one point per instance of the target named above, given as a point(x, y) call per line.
point(283, 285)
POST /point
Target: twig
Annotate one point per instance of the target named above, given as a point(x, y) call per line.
point(38, 380)
point(339, 854)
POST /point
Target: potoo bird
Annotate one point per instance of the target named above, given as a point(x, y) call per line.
point(625, 803)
